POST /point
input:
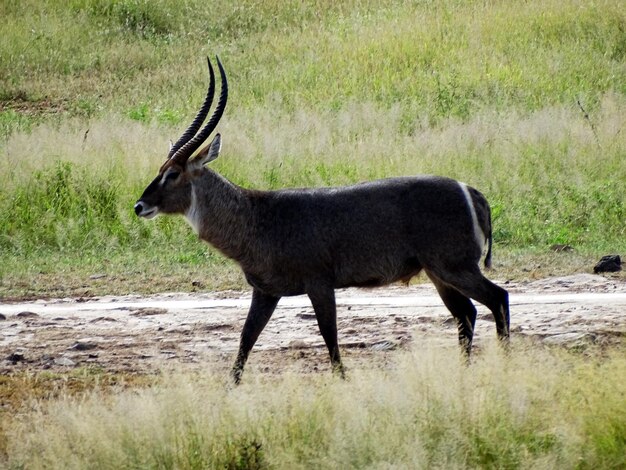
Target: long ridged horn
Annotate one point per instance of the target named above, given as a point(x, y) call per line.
point(200, 117)
point(184, 152)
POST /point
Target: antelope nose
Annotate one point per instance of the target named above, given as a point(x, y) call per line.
point(138, 208)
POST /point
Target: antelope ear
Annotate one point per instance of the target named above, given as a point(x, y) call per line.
point(209, 153)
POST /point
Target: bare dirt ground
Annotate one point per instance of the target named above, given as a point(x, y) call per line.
point(133, 334)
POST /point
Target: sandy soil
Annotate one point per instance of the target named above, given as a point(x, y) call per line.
point(147, 334)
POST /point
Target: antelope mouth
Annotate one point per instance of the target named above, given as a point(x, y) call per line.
point(146, 212)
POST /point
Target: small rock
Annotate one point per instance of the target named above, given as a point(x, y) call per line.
point(298, 344)
point(2, 316)
point(217, 327)
point(84, 345)
point(16, 356)
point(569, 339)
point(64, 361)
point(99, 319)
point(197, 284)
point(148, 311)
point(306, 316)
point(608, 264)
point(27, 315)
point(383, 346)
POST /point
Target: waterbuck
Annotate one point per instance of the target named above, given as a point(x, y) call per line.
point(315, 240)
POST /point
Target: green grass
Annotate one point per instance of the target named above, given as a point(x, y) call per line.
point(434, 59)
point(548, 180)
point(536, 408)
point(322, 93)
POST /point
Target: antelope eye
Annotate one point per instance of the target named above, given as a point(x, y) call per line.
point(172, 175)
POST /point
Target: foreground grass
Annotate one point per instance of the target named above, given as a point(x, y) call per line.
point(536, 408)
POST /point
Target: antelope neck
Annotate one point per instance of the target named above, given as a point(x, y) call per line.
point(217, 213)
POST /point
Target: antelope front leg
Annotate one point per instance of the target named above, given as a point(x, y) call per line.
point(323, 300)
point(261, 310)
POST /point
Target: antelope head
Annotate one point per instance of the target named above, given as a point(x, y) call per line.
point(170, 191)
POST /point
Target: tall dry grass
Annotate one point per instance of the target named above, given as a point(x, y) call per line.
point(535, 408)
point(552, 177)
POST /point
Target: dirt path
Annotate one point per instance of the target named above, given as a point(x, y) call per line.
point(141, 334)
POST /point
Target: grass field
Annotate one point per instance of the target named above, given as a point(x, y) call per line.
point(525, 100)
point(322, 93)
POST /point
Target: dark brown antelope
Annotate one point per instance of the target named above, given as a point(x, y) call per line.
point(313, 241)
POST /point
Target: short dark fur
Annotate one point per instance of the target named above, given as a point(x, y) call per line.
point(312, 241)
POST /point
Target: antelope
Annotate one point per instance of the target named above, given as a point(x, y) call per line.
point(314, 240)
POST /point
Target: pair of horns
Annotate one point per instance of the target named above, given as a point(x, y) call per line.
point(191, 138)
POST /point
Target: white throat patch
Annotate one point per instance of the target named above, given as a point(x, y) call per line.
point(192, 215)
